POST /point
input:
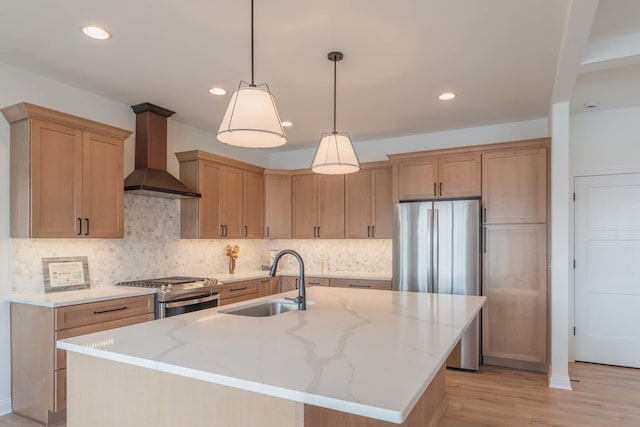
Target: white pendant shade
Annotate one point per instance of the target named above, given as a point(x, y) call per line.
point(252, 119)
point(335, 155)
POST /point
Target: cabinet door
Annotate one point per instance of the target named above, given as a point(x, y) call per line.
point(417, 180)
point(331, 207)
point(274, 285)
point(514, 186)
point(103, 193)
point(459, 176)
point(514, 280)
point(56, 179)
point(278, 206)
point(231, 202)
point(252, 203)
point(208, 218)
point(304, 191)
point(289, 283)
point(357, 213)
point(382, 210)
point(264, 287)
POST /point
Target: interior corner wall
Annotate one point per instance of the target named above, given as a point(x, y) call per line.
point(377, 149)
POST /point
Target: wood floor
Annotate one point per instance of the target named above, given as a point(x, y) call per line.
point(602, 396)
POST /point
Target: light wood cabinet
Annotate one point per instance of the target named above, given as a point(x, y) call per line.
point(514, 186)
point(316, 281)
point(290, 283)
point(277, 206)
point(268, 286)
point(368, 204)
point(232, 192)
point(318, 206)
point(239, 291)
point(451, 176)
point(38, 368)
point(514, 277)
point(66, 175)
point(361, 284)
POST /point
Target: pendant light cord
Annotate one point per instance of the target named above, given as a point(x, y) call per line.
point(335, 66)
point(252, 81)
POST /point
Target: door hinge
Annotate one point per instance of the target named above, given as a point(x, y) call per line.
point(574, 331)
point(574, 196)
point(574, 263)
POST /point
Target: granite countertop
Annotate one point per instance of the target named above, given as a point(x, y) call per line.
point(80, 296)
point(366, 352)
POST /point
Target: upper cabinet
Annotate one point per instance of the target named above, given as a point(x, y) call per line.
point(277, 191)
point(318, 206)
point(514, 186)
point(232, 197)
point(67, 175)
point(421, 178)
point(368, 204)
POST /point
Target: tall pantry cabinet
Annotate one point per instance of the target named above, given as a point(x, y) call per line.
point(514, 246)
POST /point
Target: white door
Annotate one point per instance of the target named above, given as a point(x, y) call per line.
point(607, 275)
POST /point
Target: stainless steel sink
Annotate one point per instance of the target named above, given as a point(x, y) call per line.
point(263, 308)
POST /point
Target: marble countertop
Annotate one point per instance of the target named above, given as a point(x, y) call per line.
point(80, 296)
point(366, 352)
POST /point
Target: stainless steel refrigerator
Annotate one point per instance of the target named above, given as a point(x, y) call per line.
point(436, 248)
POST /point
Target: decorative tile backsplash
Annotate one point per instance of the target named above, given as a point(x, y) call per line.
point(152, 248)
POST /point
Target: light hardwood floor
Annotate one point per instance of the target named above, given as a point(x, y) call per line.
point(602, 396)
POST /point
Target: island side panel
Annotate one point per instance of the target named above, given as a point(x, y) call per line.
point(104, 393)
point(426, 413)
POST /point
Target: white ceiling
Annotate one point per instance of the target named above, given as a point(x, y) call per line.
point(500, 56)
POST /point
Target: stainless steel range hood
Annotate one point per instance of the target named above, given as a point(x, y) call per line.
point(150, 177)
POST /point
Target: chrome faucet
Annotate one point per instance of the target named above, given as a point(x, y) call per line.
point(300, 299)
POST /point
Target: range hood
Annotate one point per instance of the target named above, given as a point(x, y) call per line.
point(150, 177)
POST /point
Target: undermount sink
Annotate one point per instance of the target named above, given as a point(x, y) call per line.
point(263, 308)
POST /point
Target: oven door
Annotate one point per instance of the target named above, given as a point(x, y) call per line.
point(186, 305)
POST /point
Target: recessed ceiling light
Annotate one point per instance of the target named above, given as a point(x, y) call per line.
point(96, 32)
point(287, 124)
point(217, 91)
point(446, 96)
point(592, 103)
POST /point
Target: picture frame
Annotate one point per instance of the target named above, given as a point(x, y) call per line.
point(65, 273)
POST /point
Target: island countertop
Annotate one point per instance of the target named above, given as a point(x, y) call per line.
point(366, 352)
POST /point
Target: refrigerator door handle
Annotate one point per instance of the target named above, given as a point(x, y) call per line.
point(436, 250)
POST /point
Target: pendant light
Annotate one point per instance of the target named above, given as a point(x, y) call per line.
point(252, 118)
point(335, 154)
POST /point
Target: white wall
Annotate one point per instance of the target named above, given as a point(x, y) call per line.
point(5, 391)
point(378, 149)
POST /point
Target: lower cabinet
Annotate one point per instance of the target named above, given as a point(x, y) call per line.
point(239, 291)
point(361, 284)
point(38, 369)
point(268, 286)
point(514, 277)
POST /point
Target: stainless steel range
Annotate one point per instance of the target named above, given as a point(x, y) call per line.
point(178, 295)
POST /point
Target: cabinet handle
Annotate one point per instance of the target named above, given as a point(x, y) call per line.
point(86, 233)
point(359, 286)
point(221, 230)
point(435, 190)
point(373, 231)
point(314, 232)
point(267, 231)
point(110, 310)
point(79, 226)
point(368, 231)
point(440, 189)
point(225, 230)
point(246, 231)
point(315, 283)
point(484, 240)
point(318, 231)
point(238, 289)
point(484, 215)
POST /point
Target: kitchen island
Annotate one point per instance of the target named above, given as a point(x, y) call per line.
point(352, 356)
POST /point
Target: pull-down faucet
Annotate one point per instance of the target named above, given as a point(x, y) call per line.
point(300, 299)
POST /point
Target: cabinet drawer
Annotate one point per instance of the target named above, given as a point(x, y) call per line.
point(233, 290)
point(238, 298)
point(316, 281)
point(361, 284)
point(104, 311)
point(61, 355)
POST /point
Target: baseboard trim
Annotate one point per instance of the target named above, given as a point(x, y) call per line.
point(5, 406)
point(560, 381)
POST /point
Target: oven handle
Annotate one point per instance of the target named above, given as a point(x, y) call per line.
point(190, 302)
